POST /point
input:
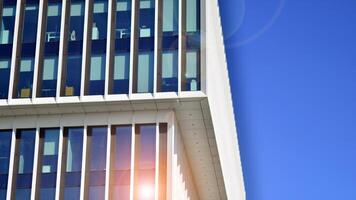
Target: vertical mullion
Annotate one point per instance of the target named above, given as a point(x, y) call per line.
point(181, 38)
point(35, 165)
point(157, 164)
point(86, 45)
point(109, 157)
point(134, 46)
point(16, 46)
point(110, 44)
point(133, 161)
point(85, 158)
point(63, 45)
point(41, 28)
point(11, 176)
point(157, 46)
point(60, 165)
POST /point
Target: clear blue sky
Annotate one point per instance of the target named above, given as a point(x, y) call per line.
point(293, 73)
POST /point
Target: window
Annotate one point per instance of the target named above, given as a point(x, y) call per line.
point(47, 84)
point(119, 78)
point(98, 138)
point(145, 151)
point(71, 75)
point(7, 23)
point(121, 164)
point(49, 139)
point(5, 148)
point(73, 162)
point(191, 66)
point(24, 163)
point(168, 66)
point(143, 71)
point(24, 73)
point(96, 83)
point(162, 182)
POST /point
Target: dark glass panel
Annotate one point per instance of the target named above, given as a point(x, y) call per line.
point(5, 148)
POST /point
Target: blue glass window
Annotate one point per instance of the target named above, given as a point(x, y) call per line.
point(47, 84)
point(6, 39)
point(96, 84)
point(167, 71)
point(24, 73)
point(119, 82)
point(24, 163)
point(97, 162)
point(73, 69)
point(5, 148)
point(74, 149)
point(48, 160)
point(121, 139)
point(191, 78)
point(145, 170)
point(143, 74)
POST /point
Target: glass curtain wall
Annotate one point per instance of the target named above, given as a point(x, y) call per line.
point(145, 161)
point(47, 83)
point(143, 72)
point(98, 138)
point(7, 20)
point(71, 74)
point(119, 78)
point(168, 68)
point(25, 146)
point(49, 139)
point(5, 148)
point(24, 72)
point(191, 69)
point(96, 83)
point(121, 162)
point(73, 162)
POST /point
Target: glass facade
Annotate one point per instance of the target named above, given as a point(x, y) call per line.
point(97, 170)
point(96, 83)
point(7, 19)
point(73, 160)
point(25, 147)
point(24, 72)
point(129, 58)
point(49, 142)
point(47, 84)
point(5, 148)
point(71, 73)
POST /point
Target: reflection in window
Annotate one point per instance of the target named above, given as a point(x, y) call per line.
point(121, 169)
point(73, 165)
point(191, 78)
point(24, 74)
point(72, 71)
point(7, 23)
point(96, 83)
point(168, 67)
point(97, 162)
point(119, 80)
point(48, 83)
point(143, 74)
point(146, 159)
point(48, 160)
point(24, 163)
point(5, 148)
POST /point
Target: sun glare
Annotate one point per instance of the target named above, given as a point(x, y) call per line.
point(146, 192)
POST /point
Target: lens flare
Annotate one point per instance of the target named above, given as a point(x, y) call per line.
point(146, 192)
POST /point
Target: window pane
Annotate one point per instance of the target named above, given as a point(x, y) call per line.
point(49, 158)
point(97, 162)
point(74, 150)
point(7, 23)
point(25, 149)
point(73, 69)
point(192, 15)
point(48, 84)
point(25, 79)
point(97, 75)
point(145, 72)
point(5, 148)
point(170, 16)
point(169, 71)
point(121, 138)
point(145, 174)
point(192, 71)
